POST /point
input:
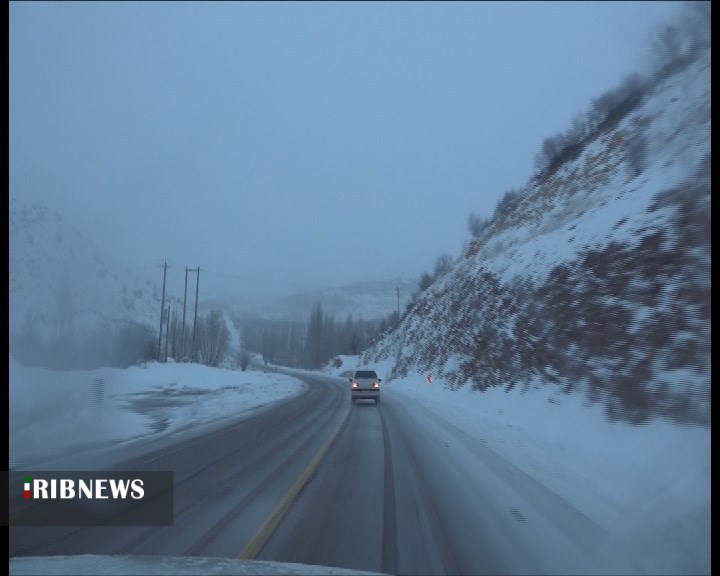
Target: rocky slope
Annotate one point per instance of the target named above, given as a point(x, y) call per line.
point(597, 278)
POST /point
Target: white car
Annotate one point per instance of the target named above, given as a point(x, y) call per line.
point(365, 384)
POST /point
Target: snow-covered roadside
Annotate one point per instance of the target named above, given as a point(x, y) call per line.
point(91, 565)
point(647, 486)
point(54, 414)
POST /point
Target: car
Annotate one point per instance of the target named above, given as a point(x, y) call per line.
point(365, 384)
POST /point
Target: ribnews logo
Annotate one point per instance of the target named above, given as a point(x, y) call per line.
point(139, 498)
point(65, 488)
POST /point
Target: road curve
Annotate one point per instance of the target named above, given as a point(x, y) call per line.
point(227, 482)
point(399, 490)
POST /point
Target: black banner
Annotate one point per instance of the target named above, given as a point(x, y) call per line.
point(90, 498)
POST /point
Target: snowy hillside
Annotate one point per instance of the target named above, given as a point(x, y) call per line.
point(69, 304)
point(50, 261)
point(597, 277)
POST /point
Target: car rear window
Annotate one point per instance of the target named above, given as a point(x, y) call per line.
point(365, 374)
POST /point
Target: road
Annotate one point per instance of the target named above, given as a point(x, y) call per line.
point(391, 488)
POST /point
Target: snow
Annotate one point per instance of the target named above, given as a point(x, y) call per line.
point(90, 564)
point(648, 486)
point(120, 406)
point(47, 254)
point(678, 138)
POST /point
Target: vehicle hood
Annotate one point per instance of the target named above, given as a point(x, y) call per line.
point(88, 564)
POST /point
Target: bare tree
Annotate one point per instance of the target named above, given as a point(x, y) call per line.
point(66, 310)
point(508, 203)
point(425, 281)
point(243, 359)
point(213, 338)
point(443, 265)
point(477, 224)
point(315, 337)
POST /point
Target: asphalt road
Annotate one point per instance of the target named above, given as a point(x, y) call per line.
point(397, 490)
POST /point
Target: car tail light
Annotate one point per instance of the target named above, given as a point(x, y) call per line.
point(376, 385)
point(354, 384)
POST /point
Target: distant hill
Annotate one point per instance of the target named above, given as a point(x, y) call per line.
point(52, 266)
point(368, 300)
point(66, 293)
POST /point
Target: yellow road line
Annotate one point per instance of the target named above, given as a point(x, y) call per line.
point(258, 541)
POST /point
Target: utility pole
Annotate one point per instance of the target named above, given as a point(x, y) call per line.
point(184, 304)
point(197, 293)
point(162, 310)
point(167, 332)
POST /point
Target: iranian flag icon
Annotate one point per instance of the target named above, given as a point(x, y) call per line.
point(27, 487)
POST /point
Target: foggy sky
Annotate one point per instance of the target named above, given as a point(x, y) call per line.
point(283, 145)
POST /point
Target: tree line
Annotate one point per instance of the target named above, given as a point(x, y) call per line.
point(312, 343)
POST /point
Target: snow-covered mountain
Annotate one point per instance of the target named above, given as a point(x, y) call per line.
point(596, 275)
point(61, 281)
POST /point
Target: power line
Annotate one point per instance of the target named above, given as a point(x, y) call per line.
point(257, 280)
point(242, 278)
point(140, 272)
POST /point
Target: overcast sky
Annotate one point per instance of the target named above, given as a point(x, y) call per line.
point(298, 144)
